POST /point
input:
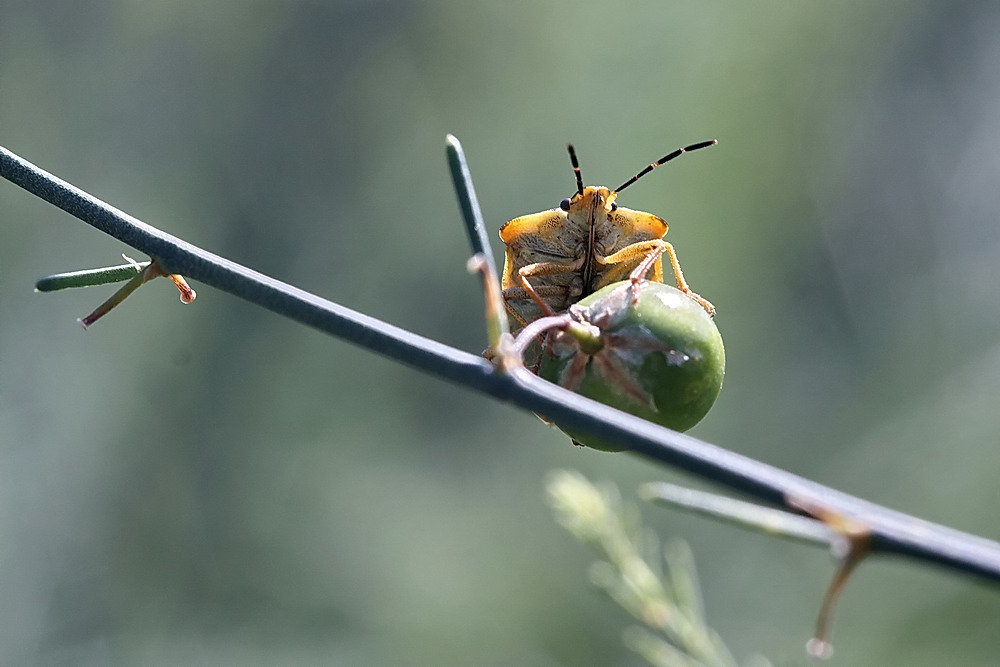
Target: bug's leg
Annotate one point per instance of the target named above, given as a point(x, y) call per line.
point(519, 305)
point(520, 294)
point(637, 270)
point(653, 260)
point(544, 269)
point(635, 261)
point(681, 283)
point(648, 254)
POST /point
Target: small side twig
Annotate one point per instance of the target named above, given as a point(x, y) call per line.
point(89, 277)
point(149, 271)
point(848, 540)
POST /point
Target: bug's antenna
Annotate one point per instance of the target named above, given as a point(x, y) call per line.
point(666, 158)
point(576, 168)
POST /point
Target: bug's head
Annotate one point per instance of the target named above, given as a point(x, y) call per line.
point(590, 197)
point(593, 197)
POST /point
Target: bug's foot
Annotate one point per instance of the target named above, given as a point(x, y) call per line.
point(703, 302)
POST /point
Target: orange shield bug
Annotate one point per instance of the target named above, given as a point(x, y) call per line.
point(557, 257)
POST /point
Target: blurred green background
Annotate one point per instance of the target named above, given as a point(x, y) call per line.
point(212, 483)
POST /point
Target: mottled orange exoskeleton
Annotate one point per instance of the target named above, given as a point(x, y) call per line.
point(557, 257)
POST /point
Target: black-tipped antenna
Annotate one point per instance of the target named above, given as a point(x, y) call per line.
point(666, 158)
point(576, 168)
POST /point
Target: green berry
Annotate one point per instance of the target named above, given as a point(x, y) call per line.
point(646, 348)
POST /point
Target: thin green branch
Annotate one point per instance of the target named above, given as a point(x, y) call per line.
point(89, 277)
point(892, 532)
point(472, 215)
point(482, 252)
point(741, 513)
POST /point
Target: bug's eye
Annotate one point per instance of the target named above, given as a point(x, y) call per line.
point(614, 206)
point(564, 204)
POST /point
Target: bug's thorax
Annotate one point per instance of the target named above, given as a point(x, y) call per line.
point(588, 213)
point(588, 216)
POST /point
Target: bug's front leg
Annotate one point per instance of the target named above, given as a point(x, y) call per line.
point(681, 283)
point(649, 254)
point(636, 260)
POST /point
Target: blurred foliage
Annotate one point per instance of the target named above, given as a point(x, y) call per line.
point(213, 484)
point(658, 587)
